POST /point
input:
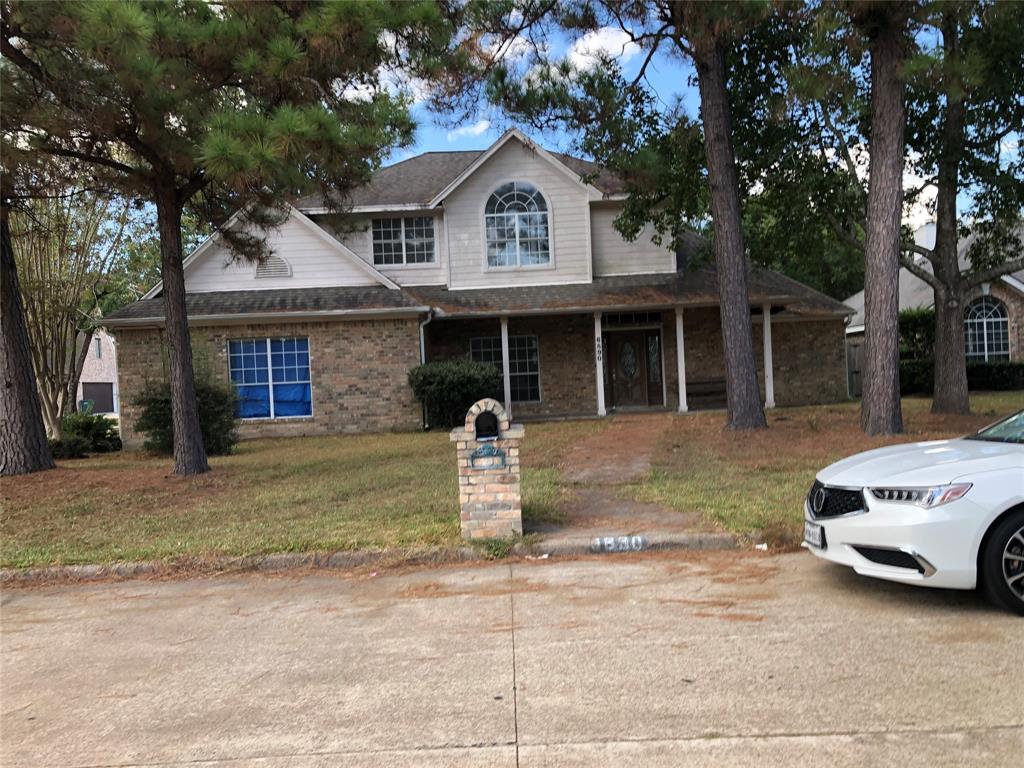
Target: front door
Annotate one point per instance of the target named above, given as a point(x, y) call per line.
point(628, 368)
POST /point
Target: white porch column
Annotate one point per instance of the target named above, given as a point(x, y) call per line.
point(506, 373)
point(681, 360)
point(769, 374)
point(599, 364)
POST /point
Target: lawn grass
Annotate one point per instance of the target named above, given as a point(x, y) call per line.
point(755, 483)
point(383, 491)
point(399, 491)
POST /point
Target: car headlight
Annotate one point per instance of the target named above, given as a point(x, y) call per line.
point(935, 496)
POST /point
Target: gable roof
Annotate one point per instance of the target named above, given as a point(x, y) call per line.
point(419, 181)
point(294, 213)
point(915, 293)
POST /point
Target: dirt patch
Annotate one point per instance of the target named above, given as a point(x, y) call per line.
point(70, 481)
point(495, 589)
point(619, 454)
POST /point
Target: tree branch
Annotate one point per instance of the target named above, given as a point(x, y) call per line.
point(987, 275)
point(919, 272)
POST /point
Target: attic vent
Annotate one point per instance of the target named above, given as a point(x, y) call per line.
point(274, 266)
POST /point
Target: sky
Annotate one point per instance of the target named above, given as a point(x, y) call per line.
point(667, 76)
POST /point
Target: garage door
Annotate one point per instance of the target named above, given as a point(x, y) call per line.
point(102, 396)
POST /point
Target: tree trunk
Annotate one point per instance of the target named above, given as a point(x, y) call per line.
point(742, 393)
point(23, 446)
point(189, 452)
point(950, 394)
point(881, 413)
point(76, 371)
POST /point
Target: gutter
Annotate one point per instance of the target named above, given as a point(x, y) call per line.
point(236, 318)
point(423, 359)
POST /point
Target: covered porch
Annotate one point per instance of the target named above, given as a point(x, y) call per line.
point(572, 361)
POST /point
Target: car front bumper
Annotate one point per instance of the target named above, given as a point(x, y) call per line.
point(940, 541)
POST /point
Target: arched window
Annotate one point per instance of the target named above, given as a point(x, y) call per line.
point(986, 330)
point(516, 226)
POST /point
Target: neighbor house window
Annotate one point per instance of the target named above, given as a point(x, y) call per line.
point(403, 241)
point(524, 363)
point(99, 348)
point(516, 226)
point(986, 330)
point(271, 377)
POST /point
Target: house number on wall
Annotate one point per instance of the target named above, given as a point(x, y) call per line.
point(618, 544)
point(598, 349)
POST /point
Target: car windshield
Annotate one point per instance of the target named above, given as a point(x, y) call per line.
point(1009, 430)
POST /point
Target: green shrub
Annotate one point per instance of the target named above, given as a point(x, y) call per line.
point(69, 447)
point(216, 416)
point(98, 432)
point(917, 334)
point(448, 388)
point(917, 377)
point(1001, 376)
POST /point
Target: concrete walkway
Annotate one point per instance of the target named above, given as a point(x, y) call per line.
point(697, 659)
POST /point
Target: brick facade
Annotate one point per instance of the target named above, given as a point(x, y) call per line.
point(358, 371)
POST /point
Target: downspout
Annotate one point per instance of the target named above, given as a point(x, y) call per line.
point(423, 358)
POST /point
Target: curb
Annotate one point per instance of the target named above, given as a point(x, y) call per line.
point(618, 543)
point(283, 561)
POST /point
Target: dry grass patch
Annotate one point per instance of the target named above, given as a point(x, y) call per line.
point(383, 491)
point(756, 482)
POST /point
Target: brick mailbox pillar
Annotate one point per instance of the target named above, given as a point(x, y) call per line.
point(489, 487)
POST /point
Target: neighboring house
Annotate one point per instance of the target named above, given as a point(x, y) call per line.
point(98, 382)
point(508, 256)
point(993, 313)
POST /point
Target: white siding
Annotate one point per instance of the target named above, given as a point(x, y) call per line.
point(314, 264)
point(568, 210)
point(614, 255)
point(360, 240)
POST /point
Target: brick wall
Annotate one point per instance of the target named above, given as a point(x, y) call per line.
point(358, 371)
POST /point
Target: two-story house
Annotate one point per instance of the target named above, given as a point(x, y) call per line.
point(508, 256)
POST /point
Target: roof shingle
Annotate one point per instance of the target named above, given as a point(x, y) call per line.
point(339, 300)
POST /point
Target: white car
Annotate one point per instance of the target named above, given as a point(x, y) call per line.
point(945, 513)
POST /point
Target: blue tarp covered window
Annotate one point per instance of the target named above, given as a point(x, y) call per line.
point(271, 377)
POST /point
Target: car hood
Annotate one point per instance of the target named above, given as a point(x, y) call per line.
point(921, 464)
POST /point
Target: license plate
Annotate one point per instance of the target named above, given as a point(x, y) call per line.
point(814, 534)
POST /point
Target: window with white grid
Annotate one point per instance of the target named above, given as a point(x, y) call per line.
point(403, 241)
point(523, 363)
point(516, 226)
point(987, 330)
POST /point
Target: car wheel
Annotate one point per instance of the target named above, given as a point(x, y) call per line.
point(1002, 564)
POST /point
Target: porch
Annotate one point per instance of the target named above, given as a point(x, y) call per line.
point(596, 363)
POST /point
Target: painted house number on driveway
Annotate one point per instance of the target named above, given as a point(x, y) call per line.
point(618, 544)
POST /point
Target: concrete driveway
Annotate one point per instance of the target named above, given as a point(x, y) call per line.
point(707, 659)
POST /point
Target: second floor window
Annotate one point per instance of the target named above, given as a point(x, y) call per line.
point(403, 241)
point(516, 226)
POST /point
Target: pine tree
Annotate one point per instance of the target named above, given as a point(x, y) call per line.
point(217, 107)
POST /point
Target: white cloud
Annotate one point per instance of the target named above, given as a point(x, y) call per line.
point(510, 50)
point(477, 128)
point(583, 54)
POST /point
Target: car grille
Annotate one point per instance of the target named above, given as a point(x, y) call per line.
point(891, 557)
point(836, 501)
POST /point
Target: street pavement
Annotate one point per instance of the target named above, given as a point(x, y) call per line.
point(682, 658)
